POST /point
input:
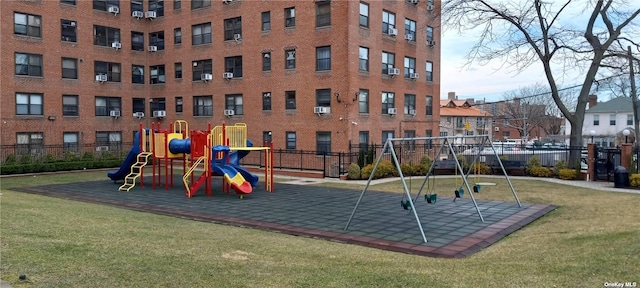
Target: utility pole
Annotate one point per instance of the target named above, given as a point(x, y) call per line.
point(524, 123)
point(634, 99)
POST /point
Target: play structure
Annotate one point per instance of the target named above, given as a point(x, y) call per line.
point(215, 152)
point(408, 202)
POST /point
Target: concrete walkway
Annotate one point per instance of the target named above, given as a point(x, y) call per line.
point(595, 185)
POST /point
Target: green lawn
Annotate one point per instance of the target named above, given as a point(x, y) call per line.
point(593, 238)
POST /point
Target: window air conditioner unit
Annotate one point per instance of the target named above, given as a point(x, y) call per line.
point(412, 112)
point(414, 75)
point(414, 1)
point(101, 77)
point(227, 75)
point(393, 71)
point(206, 77)
point(227, 1)
point(113, 9)
point(392, 31)
point(102, 148)
point(321, 110)
point(137, 14)
point(229, 112)
point(431, 43)
point(431, 7)
point(150, 14)
point(153, 48)
point(114, 113)
point(237, 37)
point(496, 129)
point(408, 37)
point(116, 45)
point(392, 111)
point(159, 113)
point(138, 115)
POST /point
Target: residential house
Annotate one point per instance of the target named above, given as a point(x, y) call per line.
point(460, 118)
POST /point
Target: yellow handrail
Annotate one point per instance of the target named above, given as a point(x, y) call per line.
point(185, 178)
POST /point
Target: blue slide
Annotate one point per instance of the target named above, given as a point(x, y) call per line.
point(125, 168)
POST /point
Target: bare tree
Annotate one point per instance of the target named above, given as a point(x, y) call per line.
point(523, 112)
point(523, 33)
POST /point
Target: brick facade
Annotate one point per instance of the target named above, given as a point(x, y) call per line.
point(344, 36)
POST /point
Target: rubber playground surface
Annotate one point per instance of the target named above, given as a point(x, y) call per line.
point(453, 229)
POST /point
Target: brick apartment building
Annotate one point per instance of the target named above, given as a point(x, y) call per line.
point(311, 75)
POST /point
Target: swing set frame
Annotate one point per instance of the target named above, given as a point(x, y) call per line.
point(445, 142)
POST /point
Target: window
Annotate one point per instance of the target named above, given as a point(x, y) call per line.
point(387, 134)
point(290, 59)
point(70, 2)
point(290, 100)
point(177, 67)
point(409, 104)
point(179, 104)
point(106, 104)
point(137, 41)
point(232, 27)
point(266, 61)
point(103, 5)
point(70, 141)
point(363, 101)
point(70, 105)
point(290, 17)
point(266, 21)
point(157, 39)
point(429, 71)
point(177, 4)
point(27, 25)
point(104, 36)
point(234, 102)
point(387, 102)
point(429, 33)
point(410, 28)
point(29, 143)
point(364, 14)
point(363, 140)
point(29, 103)
point(136, 5)
point(28, 64)
point(612, 119)
point(323, 58)
point(388, 62)
point(200, 67)
point(158, 104)
point(363, 55)
point(158, 6)
point(196, 4)
point(138, 105)
point(443, 134)
point(111, 69)
point(596, 120)
point(68, 30)
point(409, 144)
point(429, 142)
point(202, 106)
point(629, 119)
point(201, 34)
point(409, 66)
point(506, 134)
point(137, 74)
point(323, 142)
point(323, 13)
point(429, 110)
point(266, 137)
point(388, 21)
point(323, 97)
point(177, 36)
point(69, 68)
point(460, 121)
point(266, 101)
point(157, 74)
point(113, 140)
point(233, 65)
point(291, 140)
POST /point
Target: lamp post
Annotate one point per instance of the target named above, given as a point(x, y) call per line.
point(626, 133)
point(592, 133)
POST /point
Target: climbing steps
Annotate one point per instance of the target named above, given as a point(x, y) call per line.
point(136, 171)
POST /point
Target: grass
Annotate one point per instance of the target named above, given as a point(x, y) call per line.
point(592, 238)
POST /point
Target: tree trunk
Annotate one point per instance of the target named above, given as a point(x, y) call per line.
point(575, 142)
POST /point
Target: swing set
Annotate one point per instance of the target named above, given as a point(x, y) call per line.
point(408, 201)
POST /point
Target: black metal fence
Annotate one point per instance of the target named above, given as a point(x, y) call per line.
point(332, 164)
point(25, 153)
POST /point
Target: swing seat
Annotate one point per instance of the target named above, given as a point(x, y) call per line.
point(405, 204)
point(459, 193)
point(476, 188)
point(431, 198)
